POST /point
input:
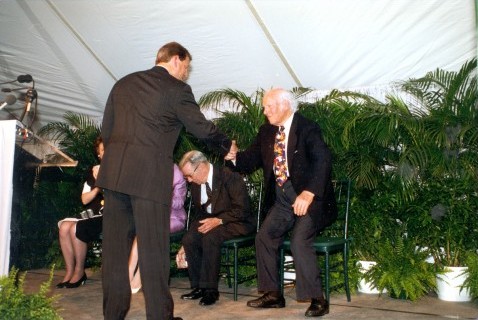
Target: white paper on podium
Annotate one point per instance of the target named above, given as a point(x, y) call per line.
point(7, 147)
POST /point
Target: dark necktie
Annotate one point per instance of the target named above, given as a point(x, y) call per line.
point(209, 194)
point(280, 167)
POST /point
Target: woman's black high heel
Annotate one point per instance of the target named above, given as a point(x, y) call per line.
point(78, 283)
point(62, 284)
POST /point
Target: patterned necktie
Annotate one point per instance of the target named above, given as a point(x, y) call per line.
point(280, 166)
point(209, 194)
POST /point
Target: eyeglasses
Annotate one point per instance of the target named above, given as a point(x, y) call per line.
point(190, 175)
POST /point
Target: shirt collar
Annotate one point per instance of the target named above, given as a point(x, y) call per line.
point(209, 175)
point(287, 124)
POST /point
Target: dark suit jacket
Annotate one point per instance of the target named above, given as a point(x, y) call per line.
point(144, 114)
point(229, 200)
point(309, 163)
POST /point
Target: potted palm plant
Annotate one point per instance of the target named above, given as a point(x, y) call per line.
point(445, 212)
point(445, 220)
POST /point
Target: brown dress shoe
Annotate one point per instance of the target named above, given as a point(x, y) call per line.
point(267, 301)
point(317, 308)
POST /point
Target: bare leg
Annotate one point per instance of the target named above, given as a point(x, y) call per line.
point(134, 278)
point(79, 249)
point(133, 259)
point(136, 282)
point(67, 248)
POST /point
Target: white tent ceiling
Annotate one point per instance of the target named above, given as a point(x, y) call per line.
point(75, 50)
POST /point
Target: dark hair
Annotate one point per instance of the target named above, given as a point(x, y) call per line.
point(97, 143)
point(171, 49)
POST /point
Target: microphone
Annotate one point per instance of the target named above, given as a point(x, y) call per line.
point(30, 96)
point(24, 78)
point(9, 100)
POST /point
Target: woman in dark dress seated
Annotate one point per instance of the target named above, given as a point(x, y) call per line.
point(76, 233)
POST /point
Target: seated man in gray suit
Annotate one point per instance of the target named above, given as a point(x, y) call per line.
point(222, 212)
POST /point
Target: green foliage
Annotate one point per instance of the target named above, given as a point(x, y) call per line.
point(16, 304)
point(53, 199)
point(471, 281)
point(444, 218)
point(373, 218)
point(240, 115)
point(402, 269)
point(244, 113)
point(187, 142)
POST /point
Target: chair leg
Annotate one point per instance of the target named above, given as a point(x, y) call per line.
point(327, 271)
point(281, 269)
point(236, 272)
point(228, 268)
point(346, 272)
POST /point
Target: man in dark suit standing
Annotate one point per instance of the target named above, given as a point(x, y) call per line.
point(143, 116)
point(222, 212)
point(299, 196)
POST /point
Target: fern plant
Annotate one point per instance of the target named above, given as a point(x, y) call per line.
point(402, 270)
point(16, 304)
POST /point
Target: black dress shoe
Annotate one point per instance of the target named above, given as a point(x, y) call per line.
point(210, 297)
point(78, 283)
point(193, 295)
point(177, 318)
point(318, 308)
point(267, 301)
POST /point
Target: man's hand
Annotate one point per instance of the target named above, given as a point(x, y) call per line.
point(232, 152)
point(208, 224)
point(302, 203)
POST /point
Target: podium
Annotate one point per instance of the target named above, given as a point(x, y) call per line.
point(14, 136)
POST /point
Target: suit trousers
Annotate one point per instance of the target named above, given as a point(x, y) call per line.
point(203, 253)
point(124, 217)
point(279, 221)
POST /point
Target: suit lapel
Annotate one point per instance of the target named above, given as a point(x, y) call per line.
point(216, 186)
point(196, 194)
point(268, 143)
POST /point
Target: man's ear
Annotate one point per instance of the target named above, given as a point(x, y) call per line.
point(175, 60)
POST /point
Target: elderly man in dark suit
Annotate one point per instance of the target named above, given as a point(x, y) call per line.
point(299, 197)
point(222, 212)
point(144, 114)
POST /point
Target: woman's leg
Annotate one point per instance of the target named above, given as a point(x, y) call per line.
point(67, 248)
point(133, 259)
point(134, 277)
point(79, 249)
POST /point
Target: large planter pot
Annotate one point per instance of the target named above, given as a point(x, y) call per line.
point(364, 286)
point(449, 285)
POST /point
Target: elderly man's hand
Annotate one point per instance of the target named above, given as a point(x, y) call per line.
point(208, 224)
point(302, 203)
